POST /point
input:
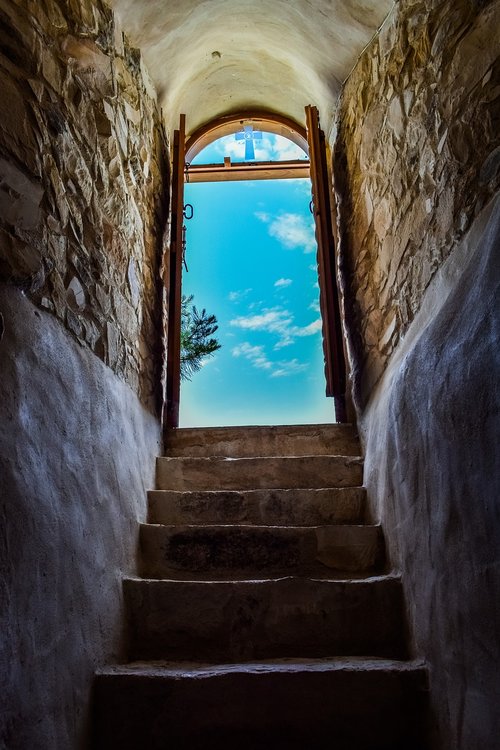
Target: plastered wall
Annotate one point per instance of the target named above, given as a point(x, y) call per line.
point(416, 174)
point(76, 458)
point(432, 469)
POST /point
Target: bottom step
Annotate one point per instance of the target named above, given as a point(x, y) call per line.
point(345, 704)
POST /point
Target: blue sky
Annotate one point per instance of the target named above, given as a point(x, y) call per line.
point(251, 256)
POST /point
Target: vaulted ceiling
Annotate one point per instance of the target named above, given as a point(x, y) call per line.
point(212, 57)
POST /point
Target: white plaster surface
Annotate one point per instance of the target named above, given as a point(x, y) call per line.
point(432, 471)
point(76, 458)
point(211, 57)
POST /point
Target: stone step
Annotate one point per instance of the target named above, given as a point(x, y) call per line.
point(346, 704)
point(242, 551)
point(284, 472)
point(261, 507)
point(281, 440)
point(231, 621)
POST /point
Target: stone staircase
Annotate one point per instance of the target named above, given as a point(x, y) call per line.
point(264, 616)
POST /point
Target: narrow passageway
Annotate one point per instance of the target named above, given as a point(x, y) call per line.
point(262, 607)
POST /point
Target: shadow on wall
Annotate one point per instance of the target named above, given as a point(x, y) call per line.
point(431, 431)
point(76, 457)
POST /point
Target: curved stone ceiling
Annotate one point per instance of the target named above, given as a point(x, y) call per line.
point(212, 57)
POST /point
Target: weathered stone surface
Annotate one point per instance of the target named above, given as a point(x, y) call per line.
point(243, 551)
point(280, 440)
point(262, 472)
point(416, 138)
point(228, 621)
point(83, 181)
point(288, 705)
point(260, 507)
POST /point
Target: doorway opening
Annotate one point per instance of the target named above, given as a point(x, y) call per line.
point(250, 252)
point(251, 255)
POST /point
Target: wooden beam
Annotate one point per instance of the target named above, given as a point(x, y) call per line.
point(263, 170)
point(175, 279)
point(329, 298)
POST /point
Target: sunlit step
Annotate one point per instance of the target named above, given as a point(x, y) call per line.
point(215, 473)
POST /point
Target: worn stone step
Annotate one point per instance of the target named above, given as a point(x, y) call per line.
point(262, 507)
point(284, 472)
point(346, 704)
point(240, 551)
point(230, 621)
point(280, 440)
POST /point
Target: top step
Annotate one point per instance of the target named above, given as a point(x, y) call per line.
point(281, 440)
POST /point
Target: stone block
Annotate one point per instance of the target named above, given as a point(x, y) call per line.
point(231, 621)
point(214, 552)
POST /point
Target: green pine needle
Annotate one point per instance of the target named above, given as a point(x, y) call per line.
point(197, 329)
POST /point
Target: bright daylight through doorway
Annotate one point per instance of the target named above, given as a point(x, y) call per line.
point(251, 255)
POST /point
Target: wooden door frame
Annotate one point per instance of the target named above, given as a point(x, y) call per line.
point(174, 291)
point(313, 137)
point(333, 344)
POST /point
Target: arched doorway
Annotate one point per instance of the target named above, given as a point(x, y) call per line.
point(244, 125)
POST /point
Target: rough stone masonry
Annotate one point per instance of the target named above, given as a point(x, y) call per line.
point(83, 175)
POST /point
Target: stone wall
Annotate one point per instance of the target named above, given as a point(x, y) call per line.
point(417, 155)
point(83, 180)
point(76, 458)
point(416, 167)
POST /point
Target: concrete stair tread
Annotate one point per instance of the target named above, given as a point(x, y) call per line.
point(350, 459)
point(259, 507)
point(242, 576)
point(262, 441)
point(348, 703)
point(291, 616)
point(160, 668)
point(261, 527)
point(264, 472)
point(327, 578)
point(167, 551)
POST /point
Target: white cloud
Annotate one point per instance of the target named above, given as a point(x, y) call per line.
point(255, 354)
point(283, 283)
point(292, 367)
point(237, 296)
point(292, 230)
point(273, 321)
point(283, 149)
point(314, 306)
point(258, 358)
point(279, 322)
point(309, 330)
point(270, 147)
